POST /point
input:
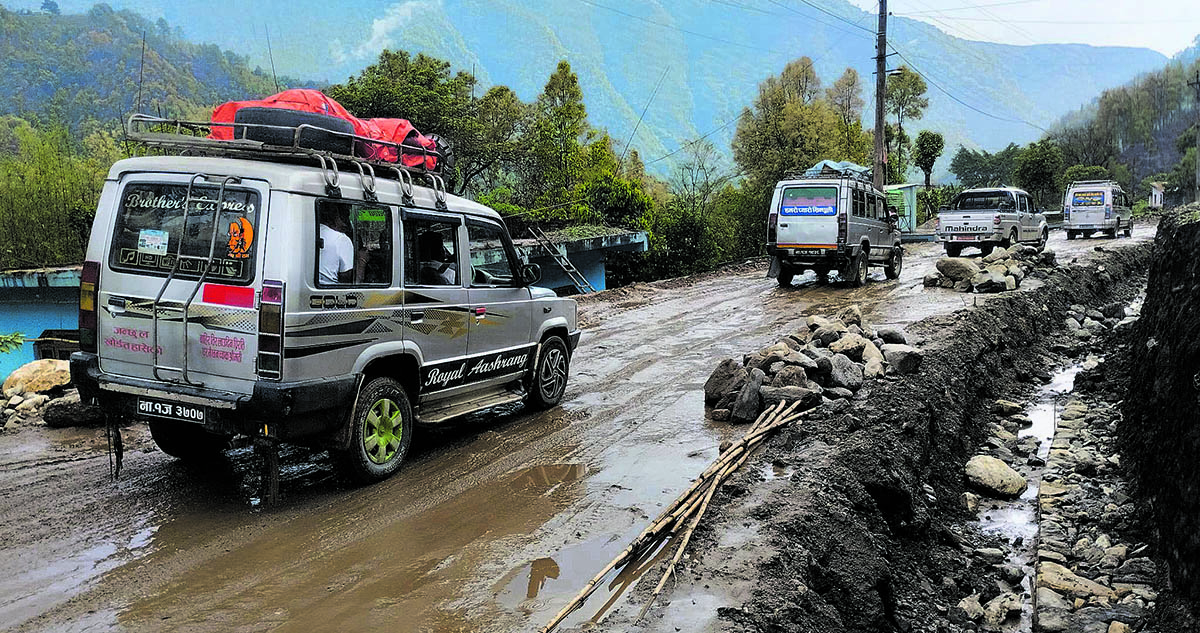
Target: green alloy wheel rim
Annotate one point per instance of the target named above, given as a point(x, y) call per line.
point(382, 431)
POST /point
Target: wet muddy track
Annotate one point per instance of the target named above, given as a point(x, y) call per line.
point(492, 524)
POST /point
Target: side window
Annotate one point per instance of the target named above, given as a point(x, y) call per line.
point(431, 252)
point(878, 206)
point(354, 244)
point(490, 261)
point(857, 207)
point(1024, 203)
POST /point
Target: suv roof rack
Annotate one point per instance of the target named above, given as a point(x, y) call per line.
point(191, 138)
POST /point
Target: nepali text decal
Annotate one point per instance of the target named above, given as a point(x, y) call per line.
point(461, 372)
point(809, 201)
point(1087, 199)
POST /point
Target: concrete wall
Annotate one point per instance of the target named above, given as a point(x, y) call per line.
point(32, 301)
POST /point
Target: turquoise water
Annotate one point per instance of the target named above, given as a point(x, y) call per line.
point(30, 318)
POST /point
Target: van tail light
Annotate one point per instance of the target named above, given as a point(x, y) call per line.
point(270, 330)
point(996, 220)
point(937, 224)
point(842, 227)
point(1108, 212)
point(772, 228)
point(89, 280)
point(1066, 212)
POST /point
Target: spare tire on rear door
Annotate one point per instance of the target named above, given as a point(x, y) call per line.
point(284, 123)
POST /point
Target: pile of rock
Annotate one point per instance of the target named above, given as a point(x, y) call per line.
point(825, 362)
point(1086, 579)
point(1002, 269)
point(38, 393)
point(1084, 323)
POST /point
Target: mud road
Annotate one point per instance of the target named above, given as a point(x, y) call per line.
point(492, 525)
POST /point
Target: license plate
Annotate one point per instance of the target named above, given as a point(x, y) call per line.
point(170, 410)
point(810, 252)
point(964, 238)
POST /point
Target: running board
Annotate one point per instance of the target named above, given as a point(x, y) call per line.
point(459, 408)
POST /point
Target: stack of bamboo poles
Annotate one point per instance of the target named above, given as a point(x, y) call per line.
point(687, 509)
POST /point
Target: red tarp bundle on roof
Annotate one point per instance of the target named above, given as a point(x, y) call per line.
point(398, 131)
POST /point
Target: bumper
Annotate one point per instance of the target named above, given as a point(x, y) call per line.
point(799, 255)
point(227, 412)
point(969, 238)
point(1100, 225)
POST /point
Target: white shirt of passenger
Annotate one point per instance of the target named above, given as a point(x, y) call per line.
point(337, 254)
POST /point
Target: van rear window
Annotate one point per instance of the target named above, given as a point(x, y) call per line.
point(809, 201)
point(1087, 199)
point(149, 231)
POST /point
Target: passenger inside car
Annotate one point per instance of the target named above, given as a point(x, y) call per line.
point(438, 267)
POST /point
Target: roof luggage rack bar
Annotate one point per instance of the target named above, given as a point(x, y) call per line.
point(1094, 182)
point(192, 137)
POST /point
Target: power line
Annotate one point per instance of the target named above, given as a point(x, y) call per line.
point(960, 101)
point(822, 22)
point(639, 121)
point(681, 30)
point(831, 14)
point(1066, 22)
point(970, 7)
point(694, 141)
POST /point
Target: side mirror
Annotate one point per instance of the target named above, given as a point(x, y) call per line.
point(531, 274)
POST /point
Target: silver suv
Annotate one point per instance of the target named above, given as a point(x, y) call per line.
point(988, 217)
point(828, 219)
point(317, 306)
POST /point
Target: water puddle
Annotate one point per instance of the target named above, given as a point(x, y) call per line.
point(1016, 520)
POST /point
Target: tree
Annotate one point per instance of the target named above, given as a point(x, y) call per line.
point(929, 148)
point(976, 169)
point(905, 98)
point(1075, 173)
point(50, 6)
point(845, 97)
point(556, 138)
point(697, 180)
point(1038, 168)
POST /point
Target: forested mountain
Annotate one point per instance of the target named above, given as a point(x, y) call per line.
point(73, 69)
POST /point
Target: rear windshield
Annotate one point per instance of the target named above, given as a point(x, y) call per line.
point(978, 200)
point(1087, 199)
point(809, 201)
point(149, 231)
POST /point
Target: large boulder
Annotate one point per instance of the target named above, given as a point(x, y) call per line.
point(728, 376)
point(845, 373)
point(39, 376)
point(749, 399)
point(790, 376)
point(891, 334)
point(851, 316)
point(852, 345)
point(994, 478)
point(998, 254)
point(957, 268)
point(1064, 581)
point(871, 352)
point(69, 411)
point(873, 369)
point(808, 398)
point(905, 359)
point(827, 334)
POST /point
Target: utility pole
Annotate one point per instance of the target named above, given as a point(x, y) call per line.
point(879, 170)
point(1196, 84)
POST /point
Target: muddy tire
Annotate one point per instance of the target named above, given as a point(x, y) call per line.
point(953, 250)
point(1010, 240)
point(822, 276)
point(186, 441)
point(381, 428)
point(987, 248)
point(896, 264)
point(549, 380)
point(1070, 235)
point(855, 273)
point(1043, 240)
point(1129, 228)
point(786, 273)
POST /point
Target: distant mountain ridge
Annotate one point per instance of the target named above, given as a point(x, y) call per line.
point(78, 68)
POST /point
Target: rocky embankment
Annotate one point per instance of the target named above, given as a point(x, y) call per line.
point(858, 518)
point(1159, 429)
point(1000, 270)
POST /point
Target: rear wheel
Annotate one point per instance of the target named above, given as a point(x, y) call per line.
point(186, 441)
point(550, 374)
point(1044, 239)
point(1129, 228)
point(987, 248)
point(895, 264)
point(1010, 240)
point(380, 431)
point(822, 275)
point(953, 250)
point(855, 272)
point(1070, 235)
point(785, 275)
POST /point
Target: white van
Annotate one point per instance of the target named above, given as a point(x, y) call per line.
point(284, 294)
point(1091, 206)
point(827, 220)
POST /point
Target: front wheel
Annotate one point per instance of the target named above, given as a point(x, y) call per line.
point(186, 441)
point(380, 431)
point(550, 374)
point(895, 264)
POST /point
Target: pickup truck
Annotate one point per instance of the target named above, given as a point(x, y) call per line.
point(987, 217)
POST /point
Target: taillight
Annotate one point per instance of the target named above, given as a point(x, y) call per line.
point(89, 280)
point(772, 227)
point(937, 224)
point(1066, 212)
point(841, 227)
point(996, 220)
point(1107, 211)
point(270, 330)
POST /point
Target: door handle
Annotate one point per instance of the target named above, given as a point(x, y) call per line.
point(115, 306)
point(415, 316)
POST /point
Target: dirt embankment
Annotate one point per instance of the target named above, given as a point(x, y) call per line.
point(1160, 434)
point(857, 523)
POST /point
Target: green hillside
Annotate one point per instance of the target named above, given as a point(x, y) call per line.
point(73, 69)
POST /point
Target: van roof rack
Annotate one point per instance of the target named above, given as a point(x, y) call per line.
point(192, 138)
point(831, 169)
point(1094, 182)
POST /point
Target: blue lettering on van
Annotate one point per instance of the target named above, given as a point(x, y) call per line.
point(808, 210)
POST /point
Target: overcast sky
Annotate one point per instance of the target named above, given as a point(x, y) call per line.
point(1167, 26)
